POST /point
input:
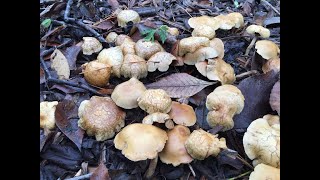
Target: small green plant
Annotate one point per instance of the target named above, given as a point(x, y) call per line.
point(46, 23)
point(161, 31)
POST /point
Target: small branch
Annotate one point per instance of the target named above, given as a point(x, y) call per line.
point(241, 175)
point(173, 24)
point(152, 167)
point(273, 8)
point(245, 74)
point(48, 51)
point(191, 169)
point(86, 176)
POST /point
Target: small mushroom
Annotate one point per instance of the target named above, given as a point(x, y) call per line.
point(90, 45)
point(155, 100)
point(160, 61)
point(265, 172)
point(237, 18)
point(111, 37)
point(134, 66)
point(191, 44)
point(218, 69)
point(261, 142)
point(96, 73)
point(218, 45)
point(126, 16)
point(253, 29)
point(156, 117)
point(174, 151)
point(201, 144)
point(182, 114)
point(140, 141)
point(230, 20)
point(271, 64)
point(274, 100)
point(126, 44)
point(267, 49)
point(204, 20)
point(173, 31)
point(100, 117)
point(125, 95)
point(204, 31)
point(145, 49)
point(199, 55)
point(113, 57)
point(223, 103)
point(47, 117)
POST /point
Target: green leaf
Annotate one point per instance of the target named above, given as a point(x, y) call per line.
point(236, 3)
point(163, 35)
point(150, 36)
point(163, 27)
point(46, 23)
point(147, 31)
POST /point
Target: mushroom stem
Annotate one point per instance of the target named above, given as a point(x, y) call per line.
point(250, 45)
point(245, 74)
point(191, 169)
point(152, 167)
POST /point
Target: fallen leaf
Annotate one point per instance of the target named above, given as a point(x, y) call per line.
point(256, 91)
point(104, 25)
point(53, 9)
point(67, 89)
point(131, 3)
point(201, 114)
point(228, 156)
point(52, 32)
point(246, 8)
point(113, 3)
point(60, 64)
point(42, 77)
point(180, 85)
point(71, 53)
point(101, 173)
point(65, 114)
point(275, 97)
point(271, 21)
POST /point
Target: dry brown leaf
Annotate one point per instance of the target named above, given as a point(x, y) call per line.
point(60, 64)
point(180, 85)
point(101, 173)
point(275, 97)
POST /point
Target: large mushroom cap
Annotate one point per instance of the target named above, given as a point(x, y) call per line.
point(90, 45)
point(264, 32)
point(203, 20)
point(204, 31)
point(199, 55)
point(145, 49)
point(265, 172)
point(191, 44)
point(218, 45)
point(182, 114)
point(236, 18)
point(126, 94)
point(271, 64)
point(174, 151)
point(113, 57)
point(111, 37)
point(47, 117)
point(267, 49)
point(126, 16)
point(140, 141)
point(218, 69)
point(96, 73)
point(100, 117)
point(155, 100)
point(160, 61)
point(134, 66)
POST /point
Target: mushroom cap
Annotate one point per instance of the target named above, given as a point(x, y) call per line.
point(204, 20)
point(202, 67)
point(125, 95)
point(156, 117)
point(203, 31)
point(272, 64)
point(100, 117)
point(191, 44)
point(201, 54)
point(201, 144)
point(218, 69)
point(113, 57)
point(155, 100)
point(126, 16)
point(140, 141)
point(173, 31)
point(160, 61)
point(218, 45)
point(274, 100)
point(223, 103)
point(225, 22)
point(145, 49)
point(265, 172)
point(134, 66)
point(47, 117)
point(261, 142)
point(121, 38)
point(111, 37)
point(264, 32)
point(126, 44)
point(96, 73)
point(182, 114)
point(267, 49)
point(90, 45)
point(174, 152)
point(236, 18)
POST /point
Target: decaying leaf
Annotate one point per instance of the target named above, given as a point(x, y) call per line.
point(201, 113)
point(60, 64)
point(113, 3)
point(104, 25)
point(271, 21)
point(101, 173)
point(180, 85)
point(71, 53)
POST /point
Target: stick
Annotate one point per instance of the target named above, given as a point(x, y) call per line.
point(86, 176)
point(240, 175)
point(152, 167)
point(273, 8)
point(248, 73)
point(191, 169)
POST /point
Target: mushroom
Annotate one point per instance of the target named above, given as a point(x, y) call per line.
point(173, 31)
point(145, 49)
point(223, 103)
point(218, 45)
point(267, 49)
point(126, 44)
point(230, 20)
point(201, 144)
point(253, 29)
point(140, 141)
point(160, 61)
point(96, 73)
point(155, 100)
point(126, 16)
point(261, 142)
point(111, 37)
point(100, 117)
point(237, 18)
point(204, 20)
point(265, 172)
point(125, 95)
point(182, 114)
point(174, 151)
point(199, 55)
point(271, 64)
point(134, 66)
point(274, 100)
point(47, 117)
point(113, 57)
point(191, 44)
point(218, 69)
point(203, 31)
point(156, 117)
point(90, 45)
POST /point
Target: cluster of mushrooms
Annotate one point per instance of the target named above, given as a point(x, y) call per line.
point(104, 117)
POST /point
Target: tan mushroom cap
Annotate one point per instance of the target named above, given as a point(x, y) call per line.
point(274, 100)
point(134, 66)
point(126, 44)
point(47, 117)
point(236, 18)
point(145, 49)
point(156, 117)
point(155, 100)
point(160, 61)
point(261, 142)
point(199, 55)
point(218, 45)
point(182, 114)
point(265, 172)
point(112, 56)
point(267, 49)
point(272, 64)
point(223, 103)
point(96, 73)
point(90, 45)
point(121, 38)
point(202, 67)
point(203, 31)
point(100, 117)
point(218, 69)
point(125, 95)
point(264, 32)
point(111, 37)
point(174, 151)
point(173, 31)
point(225, 22)
point(140, 141)
point(201, 144)
point(204, 20)
point(126, 16)
point(191, 44)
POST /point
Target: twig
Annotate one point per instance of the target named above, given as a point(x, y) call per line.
point(233, 37)
point(48, 51)
point(152, 167)
point(86, 176)
point(273, 8)
point(191, 169)
point(185, 11)
point(240, 175)
point(173, 24)
point(248, 73)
